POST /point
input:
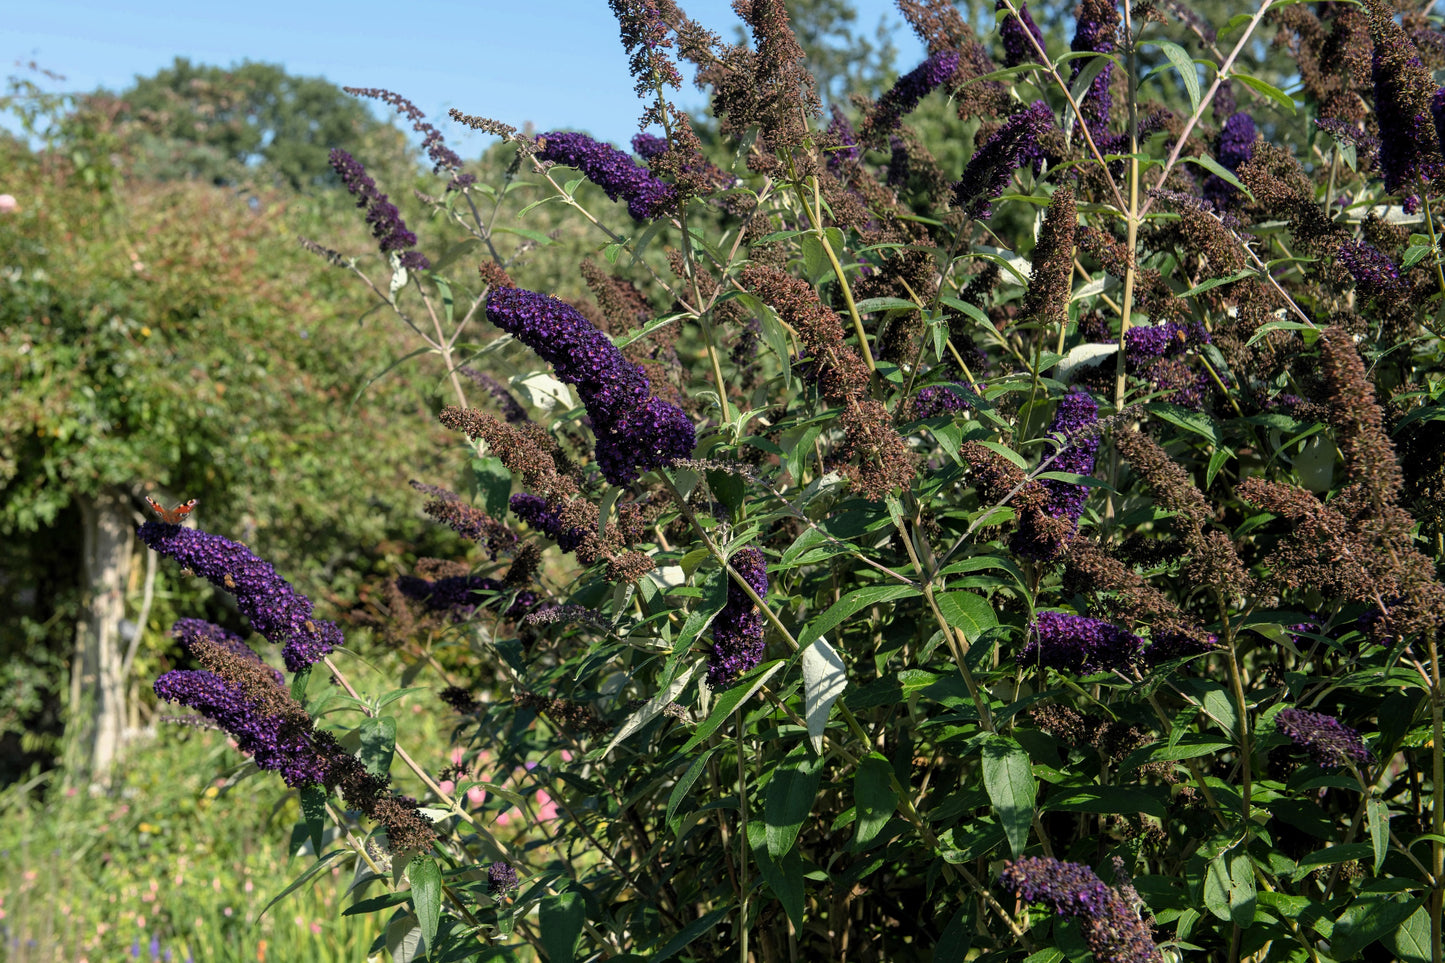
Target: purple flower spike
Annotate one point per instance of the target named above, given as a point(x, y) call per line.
point(1076, 413)
point(936, 400)
point(1097, 30)
point(189, 631)
point(737, 631)
point(911, 88)
point(635, 431)
point(1074, 642)
point(1112, 928)
point(274, 608)
point(1234, 147)
point(612, 170)
point(1375, 272)
point(1015, 36)
point(274, 743)
point(501, 879)
point(649, 146)
point(1329, 742)
point(1011, 147)
point(385, 220)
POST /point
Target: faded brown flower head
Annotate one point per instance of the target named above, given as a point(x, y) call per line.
point(1047, 298)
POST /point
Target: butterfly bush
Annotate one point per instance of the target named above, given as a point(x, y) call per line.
point(1023, 477)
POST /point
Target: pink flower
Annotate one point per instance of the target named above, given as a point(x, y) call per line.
point(476, 795)
point(8, 203)
point(547, 809)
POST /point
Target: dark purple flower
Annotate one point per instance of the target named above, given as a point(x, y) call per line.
point(275, 609)
point(1145, 342)
point(737, 631)
point(635, 432)
point(275, 743)
point(1075, 416)
point(649, 146)
point(1405, 97)
point(1234, 146)
point(533, 510)
point(1166, 646)
point(1328, 741)
point(612, 170)
point(1375, 272)
point(385, 220)
point(1075, 642)
point(442, 156)
point(1015, 35)
point(1096, 30)
point(1112, 928)
point(904, 96)
point(1016, 144)
point(461, 595)
point(501, 879)
point(189, 631)
point(842, 132)
point(936, 400)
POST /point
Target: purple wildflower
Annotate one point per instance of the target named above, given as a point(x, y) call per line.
point(1329, 741)
point(461, 595)
point(1075, 415)
point(501, 879)
point(737, 631)
point(385, 220)
point(635, 432)
point(1375, 272)
point(189, 631)
point(840, 129)
point(1166, 646)
point(275, 743)
point(274, 608)
point(1405, 93)
point(1014, 145)
point(1233, 148)
point(442, 156)
point(1112, 928)
point(612, 170)
point(1097, 31)
point(904, 96)
point(1075, 642)
point(1145, 342)
point(649, 146)
point(936, 400)
point(1015, 35)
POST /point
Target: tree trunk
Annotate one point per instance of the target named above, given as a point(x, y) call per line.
point(97, 689)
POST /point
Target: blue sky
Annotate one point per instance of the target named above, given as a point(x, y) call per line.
point(556, 64)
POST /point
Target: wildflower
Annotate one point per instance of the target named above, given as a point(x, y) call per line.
point(8, 204)
point(737, 631)
point(385, 220)
point(1329, 741)
point(442, 156)
point(461, 595)
point(1075, 415)
point(610, 169)
point(274, 608)
point(635, 432)
point(468, 522)
point(936, 400)
point(1112, 928)
point(1075, 642)
point(191, 633)
point(1375, 272)
point(1234, 147)
point(1016, 144)
point(1047, 298)
point(501, 879)
point(1097, 29)
point(911, 88)
point(1014, 32)
point(1405, 91)
point(846, 150)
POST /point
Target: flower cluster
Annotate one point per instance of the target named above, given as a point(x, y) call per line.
point(276, 610)
point(442, 156)
point(1328, 741)
point(1404, 99)
point(1014, 32)
point(635, 432)
point(383, 216)
point(1036, 538)
point(610, 169)
point(193, 633)
point(1097, 30)
point(1016, 144)
point(1058, 640)
point(1234, 147)
point(1112, 929)
point(737, 631)
point(845, 140)
point(461, 595)
point(936, 400)
point(501, 879)
point(904, 96)
point(1375, 272)
point(533, 510)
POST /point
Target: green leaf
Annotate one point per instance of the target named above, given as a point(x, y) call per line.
point(1269, 90)
point(494, 484)
point(1009, 779)
point(689, 933)
point(1229, 891)
point(1185, 65)
point(784, 877)
point(1268, 326)
point(873, 798)
point(1105, 799)
point(851, 603)
point(684, 786)
point(378, 742)
point(731, 699)
point(1370, 917)
point(789, 797)
point(1414, 255)
point(1332, 854)
point(313, 815)
point(426, 896)
point(1220, 171)
point(968, 612)
point(824, 679)
point(1216, 282)
point(881, 304)
point(312, 871)
point(1411, 941)
point(714, 597)
point(956, 938)
point(1379, 819)
point(560, 917)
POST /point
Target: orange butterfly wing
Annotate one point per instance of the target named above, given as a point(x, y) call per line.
point(171, 516)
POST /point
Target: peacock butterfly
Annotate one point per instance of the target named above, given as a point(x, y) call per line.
point(171, 516)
